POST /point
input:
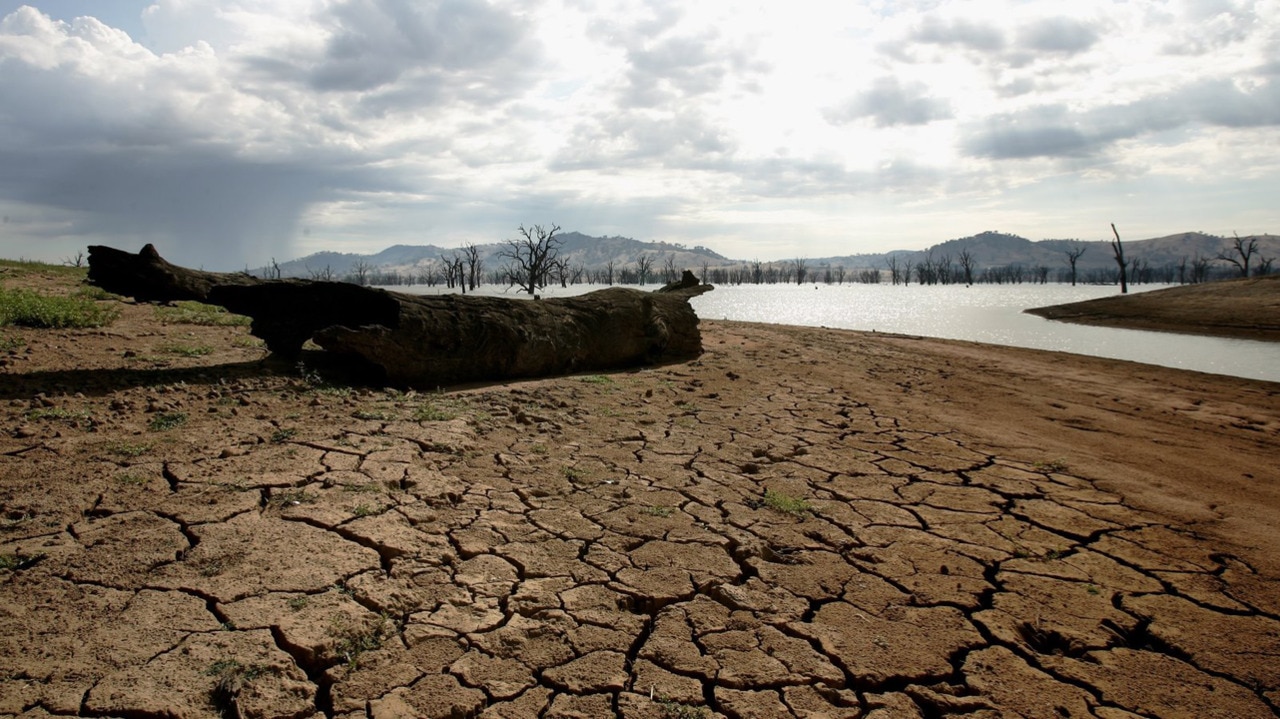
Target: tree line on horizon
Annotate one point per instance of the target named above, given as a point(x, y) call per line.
point(533, 261)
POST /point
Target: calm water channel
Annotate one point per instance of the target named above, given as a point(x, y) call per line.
point(982, 313)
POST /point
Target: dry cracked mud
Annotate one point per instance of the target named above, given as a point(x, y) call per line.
point(801, 523)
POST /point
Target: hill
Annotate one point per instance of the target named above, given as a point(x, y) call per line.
point(988, 249)
point(578, 249)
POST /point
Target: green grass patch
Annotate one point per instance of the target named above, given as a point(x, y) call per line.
point(373, 414)
point(165, 421)
point(675, 710)
point(186, 350)
point(283, 435)
point(198, 313)
point(25, 308)
point(18, 562)
point(596, 379)
point(290, 498)
point(128, 449)
point(10, 343)
point(21, 267)
point(782, 502)
point(58, 413)
point(656, 511)
point(433, 412)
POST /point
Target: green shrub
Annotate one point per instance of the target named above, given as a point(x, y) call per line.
point(32, 309)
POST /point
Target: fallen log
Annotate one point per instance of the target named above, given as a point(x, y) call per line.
point(429, 341)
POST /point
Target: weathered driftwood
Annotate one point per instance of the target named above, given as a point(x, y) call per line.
point(429, 340)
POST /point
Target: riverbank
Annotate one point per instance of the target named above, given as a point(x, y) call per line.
point(1242, 308)
point(800, 523)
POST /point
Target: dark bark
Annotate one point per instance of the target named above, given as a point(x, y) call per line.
point(429, 341)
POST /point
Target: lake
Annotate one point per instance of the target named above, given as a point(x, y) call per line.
point(981, 313)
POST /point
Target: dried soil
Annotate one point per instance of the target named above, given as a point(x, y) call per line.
point(801, 523)
point(1243, 308)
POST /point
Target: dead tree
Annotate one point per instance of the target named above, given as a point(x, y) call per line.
point(1073, 255)
point(801, 268)
point(533, 257)
point(475, 265)
point(1118, 249)
point(1244, 249)
point(428, 341)
point(966, 265)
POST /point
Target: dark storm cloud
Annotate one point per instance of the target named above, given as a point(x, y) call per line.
point(185, 152)
point(889, 102)
point(199, 209)
point(393, 54)
point(1055, 131)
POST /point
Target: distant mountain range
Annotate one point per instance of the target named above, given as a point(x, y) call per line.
point(988, 249)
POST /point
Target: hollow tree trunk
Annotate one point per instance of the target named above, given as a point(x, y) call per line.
point(428, 341)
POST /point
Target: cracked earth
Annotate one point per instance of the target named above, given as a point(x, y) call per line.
point(801, 523)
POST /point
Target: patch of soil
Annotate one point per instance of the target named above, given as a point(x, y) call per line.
point(800, 523)
point(1243, 308)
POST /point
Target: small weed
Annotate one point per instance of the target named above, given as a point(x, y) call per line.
point(783, 502)
point(283, 435)
point(186, 350)
point(430, 412)
point(18, 562)
point(368, 510)
point(290, 498)
point(128, 449)
point(248, 343)
point(230, 677)
point(75, 416)
point(596, 379)
point(656, 511)
point(353, 642)
point(1052, 466)
point(10, 343)
point(131, 479)
point(198, 313)
point(573, 474)
point(672, 709)
point(165, 421)
point(1052, 555)
point(372, 414)
point(32, 309)
point(298, 603)
point(539, 449)
point(15, 519)
point(1093, 590)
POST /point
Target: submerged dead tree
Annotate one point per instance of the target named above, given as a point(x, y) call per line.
point(429, 341)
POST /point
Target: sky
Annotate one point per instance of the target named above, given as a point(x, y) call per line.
point(230, 132)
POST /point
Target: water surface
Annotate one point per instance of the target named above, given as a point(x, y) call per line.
point(981, 313)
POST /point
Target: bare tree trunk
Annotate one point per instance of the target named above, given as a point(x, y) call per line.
point(1118, 249)
point(429, 341)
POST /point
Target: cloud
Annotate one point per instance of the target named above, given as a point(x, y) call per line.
point(1056, 131)
point(1063, 35)
point(160, 148)
point(983, 37)
point(889, 102)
